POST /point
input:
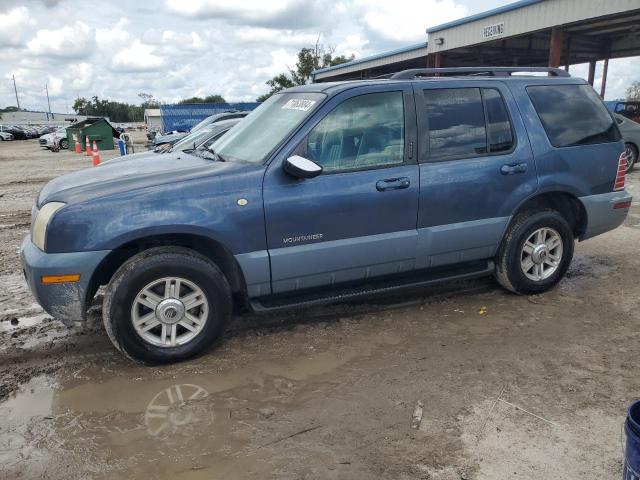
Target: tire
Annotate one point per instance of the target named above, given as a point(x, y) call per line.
point(153, 270)
point(632, 156)
point(512, 257)
point(64, 144)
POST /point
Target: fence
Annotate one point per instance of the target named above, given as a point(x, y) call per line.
point(183, 117)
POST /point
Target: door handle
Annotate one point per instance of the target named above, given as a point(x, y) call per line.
point(513, 168)
point(392, 184)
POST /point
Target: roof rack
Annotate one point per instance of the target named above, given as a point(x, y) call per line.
point(477, 71)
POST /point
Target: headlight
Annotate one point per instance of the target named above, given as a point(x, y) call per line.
point(39, 228)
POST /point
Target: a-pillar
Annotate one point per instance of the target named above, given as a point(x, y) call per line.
point(555, 47)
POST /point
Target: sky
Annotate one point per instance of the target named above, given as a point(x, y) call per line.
point(176, 49)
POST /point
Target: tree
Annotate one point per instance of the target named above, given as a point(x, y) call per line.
point(148, 101)
point(207, 99)
point(309, 59)
point(116, 111)
point(633, 92)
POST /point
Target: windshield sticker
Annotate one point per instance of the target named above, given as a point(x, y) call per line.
point(299, 104)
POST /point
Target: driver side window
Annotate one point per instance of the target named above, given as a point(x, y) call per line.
point(362, 132)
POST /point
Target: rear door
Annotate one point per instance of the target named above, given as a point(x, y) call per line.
point(476, 167)
point(358, 218)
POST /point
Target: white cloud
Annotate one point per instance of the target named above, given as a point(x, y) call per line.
point(138, 58)
point(272, 13)
point(116, 35)
point(55, 85)
point(261, 35)
point(13, 26)
point(81, 76)
point(71, 41)
point(391, 20)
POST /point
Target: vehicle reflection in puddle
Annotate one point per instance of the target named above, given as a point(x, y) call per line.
point(175, 407)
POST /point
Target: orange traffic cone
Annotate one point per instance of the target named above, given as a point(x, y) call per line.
point(78, 148)
point(88, 152)
point(96, 154)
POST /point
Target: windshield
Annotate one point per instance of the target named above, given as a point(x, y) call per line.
point(264, 128)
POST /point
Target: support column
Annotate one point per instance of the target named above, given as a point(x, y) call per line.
point(592, 72)
point(438, 60)
point(555, 46)
point(568, 56)
point(603, 86)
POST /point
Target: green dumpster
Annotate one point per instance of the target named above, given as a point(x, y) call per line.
point(97, 129)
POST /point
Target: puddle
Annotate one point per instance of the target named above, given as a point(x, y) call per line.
point(193, 420)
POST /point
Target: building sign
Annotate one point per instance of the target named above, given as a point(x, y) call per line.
point(492, 31)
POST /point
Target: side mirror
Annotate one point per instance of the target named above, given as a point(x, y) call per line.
point(301, 167)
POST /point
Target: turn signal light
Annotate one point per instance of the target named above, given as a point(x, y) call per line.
point(48, 279)
point(622, 167)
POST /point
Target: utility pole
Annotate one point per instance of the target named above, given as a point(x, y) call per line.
point(46, 87)
point(16, 90)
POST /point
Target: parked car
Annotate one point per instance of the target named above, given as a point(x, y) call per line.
point(58, 137)
point(207, 134)
point(195, 144)
point(218, 117)
point(17, 132)
point(333, 192)
point(630, 110)
point(630, 131)
point(30, 131)
point(173, 137)
point(5, 136)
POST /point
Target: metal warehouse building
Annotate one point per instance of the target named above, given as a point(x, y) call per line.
point(528, 32)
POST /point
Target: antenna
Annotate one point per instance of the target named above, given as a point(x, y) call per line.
point(46, 87)
point(16, 90)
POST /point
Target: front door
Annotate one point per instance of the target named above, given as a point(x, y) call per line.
point(476, 167)
point(358, 218)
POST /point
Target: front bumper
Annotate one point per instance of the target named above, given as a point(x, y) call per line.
point(64, 301)
point(602, 214)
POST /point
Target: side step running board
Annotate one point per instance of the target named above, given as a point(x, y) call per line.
point(293, 300)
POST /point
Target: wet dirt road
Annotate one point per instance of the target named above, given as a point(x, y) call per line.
point(510, 387)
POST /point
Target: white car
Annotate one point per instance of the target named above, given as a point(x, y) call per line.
point(5, 136)
point(57, 137)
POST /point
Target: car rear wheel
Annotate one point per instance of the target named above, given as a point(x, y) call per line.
point(535, 252)
point(64, 143)
point(632, 155)
point(165, 305)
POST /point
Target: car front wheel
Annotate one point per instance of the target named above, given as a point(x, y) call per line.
point(535, 252)
point(165, 305)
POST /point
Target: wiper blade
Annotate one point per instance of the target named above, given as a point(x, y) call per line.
point(217, 156)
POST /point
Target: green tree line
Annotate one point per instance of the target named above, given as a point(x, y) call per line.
point(127, 112)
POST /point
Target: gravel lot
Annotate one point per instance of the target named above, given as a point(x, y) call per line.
point(509, 386)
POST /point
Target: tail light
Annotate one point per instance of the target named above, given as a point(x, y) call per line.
point(622, 168)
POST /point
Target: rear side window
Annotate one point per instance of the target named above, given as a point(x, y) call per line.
point(467, 122)
point(499, 133)
point(573, 115)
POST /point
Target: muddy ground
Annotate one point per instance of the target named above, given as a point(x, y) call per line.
point(509, 386)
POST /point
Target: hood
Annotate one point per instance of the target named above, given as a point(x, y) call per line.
point(128, 174)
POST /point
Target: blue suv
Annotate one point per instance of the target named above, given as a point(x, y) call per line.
point(330, 192)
